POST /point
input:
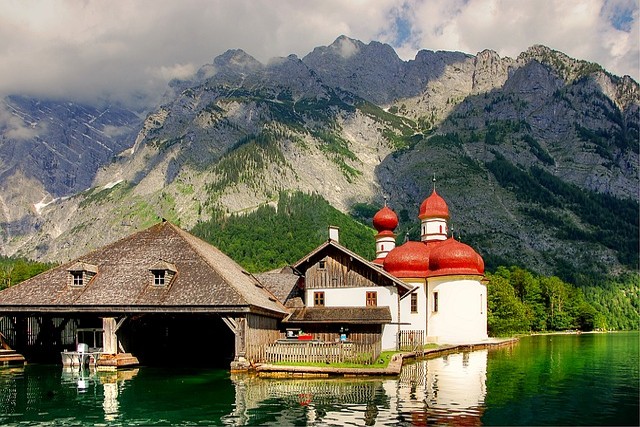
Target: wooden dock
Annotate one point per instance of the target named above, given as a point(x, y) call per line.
point(11, 357)
point(108, 362)
point(394, 367)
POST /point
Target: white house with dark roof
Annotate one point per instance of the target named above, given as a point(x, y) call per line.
point(340, 294)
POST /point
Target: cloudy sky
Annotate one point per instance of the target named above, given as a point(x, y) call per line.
point(127, 50)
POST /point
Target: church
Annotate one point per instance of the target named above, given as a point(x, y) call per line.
point(433, 289)
point(447, 275)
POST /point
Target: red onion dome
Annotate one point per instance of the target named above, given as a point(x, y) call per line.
point(434, 206)
point(452, 257)
point(410, 259)
point(385, 219)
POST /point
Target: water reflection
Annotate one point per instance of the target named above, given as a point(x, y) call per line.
point(547, 380)
point(446, 390)
point(94, 382)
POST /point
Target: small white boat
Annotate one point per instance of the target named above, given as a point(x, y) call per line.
point(84, 355)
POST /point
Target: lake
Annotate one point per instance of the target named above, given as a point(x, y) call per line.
point(583, 379)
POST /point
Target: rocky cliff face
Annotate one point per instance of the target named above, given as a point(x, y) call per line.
point(353, 122)
point(49, 150)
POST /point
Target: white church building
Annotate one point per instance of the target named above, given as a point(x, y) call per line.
point(448, 274)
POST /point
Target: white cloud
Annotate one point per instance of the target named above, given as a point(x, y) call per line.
point(128, 51)
point(15, 127)
point(581, 29)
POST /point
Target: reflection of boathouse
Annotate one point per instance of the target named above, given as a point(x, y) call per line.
point(158, 294)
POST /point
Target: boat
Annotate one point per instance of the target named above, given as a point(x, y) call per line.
point(85, 354)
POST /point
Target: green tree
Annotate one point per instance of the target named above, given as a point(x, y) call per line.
point(506, 314)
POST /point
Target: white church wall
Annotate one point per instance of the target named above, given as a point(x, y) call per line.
point(414, 321)
point(461, 315)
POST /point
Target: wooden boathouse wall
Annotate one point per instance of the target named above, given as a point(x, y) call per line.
point(39, 334)
point(260, 332)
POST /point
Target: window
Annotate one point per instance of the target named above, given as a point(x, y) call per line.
point(81, 274)
point(481, 305)
point(77, 278)
point(414, 302)
point(322, 264)
point(435, 302)
point(162, 273)
point(372, 299)
point(318, 299)
point(159, 277)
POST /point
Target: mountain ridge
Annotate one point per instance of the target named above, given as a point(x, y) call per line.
point(353, 122)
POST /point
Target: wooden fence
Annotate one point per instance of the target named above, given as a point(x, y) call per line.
point(411, 341)
point(31, 328)
point(296, 351)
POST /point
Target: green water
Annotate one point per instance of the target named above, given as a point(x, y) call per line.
point(588, 379)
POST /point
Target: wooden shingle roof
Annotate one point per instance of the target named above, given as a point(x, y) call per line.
point(343, 315)
point(283, 284)
point(205, 279)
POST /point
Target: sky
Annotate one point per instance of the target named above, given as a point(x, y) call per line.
point(128, 50)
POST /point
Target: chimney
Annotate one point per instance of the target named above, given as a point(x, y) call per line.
point(334, 233)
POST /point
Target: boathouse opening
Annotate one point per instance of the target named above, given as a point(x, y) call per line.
point(179, 339)
point(202, 340)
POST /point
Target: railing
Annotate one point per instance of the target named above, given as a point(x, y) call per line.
point(294, 351)
point(412, 341)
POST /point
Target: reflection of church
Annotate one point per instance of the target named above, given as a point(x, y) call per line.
point(448, 390)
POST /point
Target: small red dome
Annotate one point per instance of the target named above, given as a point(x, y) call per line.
point(434, 206)
point(453, 257)
point(411, 259)
point(385, 219)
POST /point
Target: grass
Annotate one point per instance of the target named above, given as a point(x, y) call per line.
point(382, 362)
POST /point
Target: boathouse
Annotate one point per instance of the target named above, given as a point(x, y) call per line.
point(160, 294)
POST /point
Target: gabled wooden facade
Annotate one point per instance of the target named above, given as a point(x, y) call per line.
point(347, 297)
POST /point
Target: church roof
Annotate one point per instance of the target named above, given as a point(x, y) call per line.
point(430, 259)
point(434, 206)
point(385, 220)
point(435, 258)
point(205, 279)
point(454, 257)
point(409, 260)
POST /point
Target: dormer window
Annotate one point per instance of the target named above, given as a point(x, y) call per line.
point(81, 273)
point(158, 277)
point(162, 273)
point(77, 278)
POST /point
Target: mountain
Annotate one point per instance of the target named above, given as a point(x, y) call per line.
point(537, 156)
point(51, 150)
